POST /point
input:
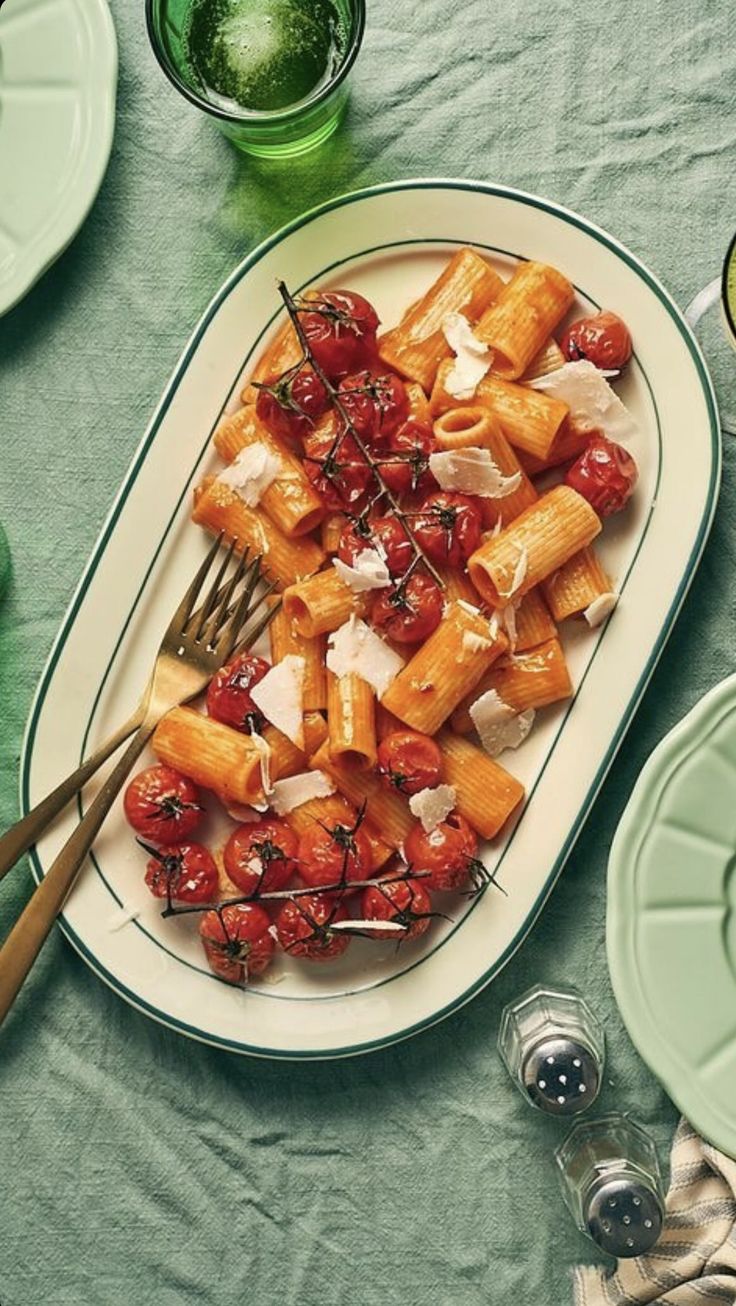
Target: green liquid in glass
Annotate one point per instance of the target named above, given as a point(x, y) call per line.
point(263, 54)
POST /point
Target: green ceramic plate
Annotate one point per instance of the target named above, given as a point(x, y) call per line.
point(672, 915)
point(58, 74)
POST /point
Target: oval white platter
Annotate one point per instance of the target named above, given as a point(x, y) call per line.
point(388, 242)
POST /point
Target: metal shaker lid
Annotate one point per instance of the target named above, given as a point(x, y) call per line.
point(624, 1214)
point(561, 1075)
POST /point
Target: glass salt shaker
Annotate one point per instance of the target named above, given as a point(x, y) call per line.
point(612, 1184)
point(554, 1049)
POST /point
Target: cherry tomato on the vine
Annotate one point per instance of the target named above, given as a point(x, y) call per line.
point(448, 852)
point(410, 611)
point(404, 462)
point(605, 474)
point(337, 469)
point(409, 761)
point(340, 327)
point(261, 855)
point(386, 534)
point(376, 404)
point(603, 339)
point(228, 695)
point(449, 527)
point(403, 902)
point(163, 805)
point(290, 405)
point(303, 927)
point(185, 872)
point(237, 941)
point(334, 854)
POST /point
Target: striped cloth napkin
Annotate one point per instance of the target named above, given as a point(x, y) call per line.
point(694, 1261)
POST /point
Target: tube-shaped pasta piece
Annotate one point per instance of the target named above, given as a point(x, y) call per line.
point(321, 603)
point(286, 561)
point(315, 732)
point(416, 347)
point(519, 323)
point(351, 721)
point(529, 419)
point(576, 585)
point(570, 441)
point(468, 425)
point(533, 546)
point(332, 810)
point(549, 358)
point(533, 679)
point(458, 585)
point(385, 809)
point(418, 404)
point(445, 668)
point(332, 528)
point(285, 639)
point(486, 794)
point(210, 753)
point(289, 501)
point(533, 622)
point(284, 757)
point(283, 352)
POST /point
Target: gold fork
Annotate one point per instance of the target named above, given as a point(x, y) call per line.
point(194, 647)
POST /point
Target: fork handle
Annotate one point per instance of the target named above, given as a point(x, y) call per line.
point(24, 942)
point(21, 836)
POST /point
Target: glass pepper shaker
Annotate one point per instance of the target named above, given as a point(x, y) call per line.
point(554, 1049)
point(612, 1184)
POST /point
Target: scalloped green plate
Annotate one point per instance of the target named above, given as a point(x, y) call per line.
point(672, 915)
point(58, 76)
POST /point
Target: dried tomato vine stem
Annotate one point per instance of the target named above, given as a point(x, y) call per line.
point(280, 894)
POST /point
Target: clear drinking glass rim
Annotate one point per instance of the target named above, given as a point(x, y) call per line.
point(256, 116)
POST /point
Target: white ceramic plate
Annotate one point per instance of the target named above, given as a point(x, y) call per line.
point(58, 74)
point(388, 242)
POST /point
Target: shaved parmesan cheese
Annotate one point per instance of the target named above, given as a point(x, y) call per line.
point(473, 643)
point(592, 402)
point(498, 726)
point(251, 473)
point(472, 357)
point(265, 751)
point(430, 806)
point(472, 471)
point(356, 649)
point(368, 572)
point(508, 618)
point(243, 814)
point(297, 789)
point(519, 576)
point(468, 607)
point(279, 697)
point(597, 611)
point(393, 927)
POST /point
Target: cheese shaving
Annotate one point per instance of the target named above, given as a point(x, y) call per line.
point(264, 749)
point(519, 576)
point(473, 643)
point(498, 726)
point(251, 473)
point(472, 357)
point(297, 789)
point(368, 571)
point(593, 404)
point(369, 927)
point(597, 611)
point(279, 697)
point(356, 649)
point(431, 806)
point(472, 471)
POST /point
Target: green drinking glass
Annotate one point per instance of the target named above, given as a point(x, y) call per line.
point(271, 73)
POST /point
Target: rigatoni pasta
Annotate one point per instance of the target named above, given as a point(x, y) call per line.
point(219, 508)
point(518, 324)
point(576, 584)
point(285, 639)
point(533, 679)
point(321, 603)
point(487, 795)
point(290, 502)
point(528, 418)
point(351, 720)
point(213, 754)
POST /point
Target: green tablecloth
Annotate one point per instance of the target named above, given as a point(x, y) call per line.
point(138, 1167)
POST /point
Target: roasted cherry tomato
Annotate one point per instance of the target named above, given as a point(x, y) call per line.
point(603, 339)
point(334, 854)
point(261, 855)
point(448, 852)
point(404, 462)
point(337, 469)
point(449, 527)
point(185, 872)
point(410, 611)
point(163, 805)
point(409, 761)
point(228, 695)
point(303, 927)
point(290, 405)
point(605, 474)
point(386, 534)
point(403, 902)
point(237, 941)
point(375, 404)
point(340, 327)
